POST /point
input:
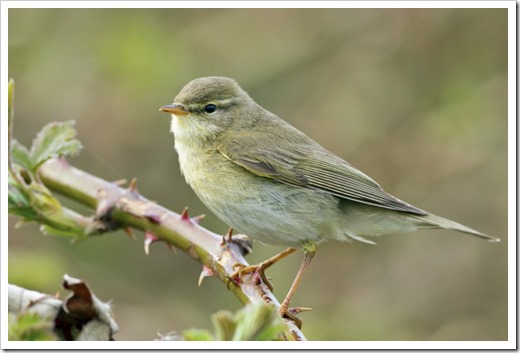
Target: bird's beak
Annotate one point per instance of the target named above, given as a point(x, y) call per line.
point(174, 108)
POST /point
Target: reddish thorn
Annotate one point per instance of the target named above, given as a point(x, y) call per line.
point(184, 215)
point(149, 238)
point(129, 232)
point(206, 272)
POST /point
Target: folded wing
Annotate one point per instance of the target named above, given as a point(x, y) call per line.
point(310, 166)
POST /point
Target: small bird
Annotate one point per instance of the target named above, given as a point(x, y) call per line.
point(272, 182)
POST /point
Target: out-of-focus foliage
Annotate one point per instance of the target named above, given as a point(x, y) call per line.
point(415, 98)
point(30, 327)
point(255, 322)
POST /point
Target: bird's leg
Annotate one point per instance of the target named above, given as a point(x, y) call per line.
point(309, 249)
point(261, 267)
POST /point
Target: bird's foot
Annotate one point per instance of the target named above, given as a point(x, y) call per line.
point(257, 270)
point(291, 313)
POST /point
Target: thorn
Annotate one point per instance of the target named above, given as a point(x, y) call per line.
point(133, 186)
point(206, 272)
point(184, 215)
point(129, 232)
point(57, 295)
point(120, 182)
point(198, 218)
point(229, 234)
point(149, 238)
point(298, 309)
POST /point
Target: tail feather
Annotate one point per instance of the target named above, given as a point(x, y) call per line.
point(433, 221)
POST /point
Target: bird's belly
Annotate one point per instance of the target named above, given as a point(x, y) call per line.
point(274, 213)
point(260, 207)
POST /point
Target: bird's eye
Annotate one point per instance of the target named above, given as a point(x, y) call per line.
point(210, 108)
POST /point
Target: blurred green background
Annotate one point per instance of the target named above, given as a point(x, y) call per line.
point(415, 98)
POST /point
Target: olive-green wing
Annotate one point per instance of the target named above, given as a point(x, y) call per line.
point(339, 178)
point(313, 167)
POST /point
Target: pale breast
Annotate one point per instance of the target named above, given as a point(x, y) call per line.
point(260, 207)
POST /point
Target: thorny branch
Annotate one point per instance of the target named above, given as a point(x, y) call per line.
point(118, 207)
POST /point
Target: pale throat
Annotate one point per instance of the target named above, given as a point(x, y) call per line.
point(192, 130)
point(191, 144)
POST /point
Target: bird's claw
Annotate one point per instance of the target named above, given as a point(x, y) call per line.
point(290, 314)
point(258, 271)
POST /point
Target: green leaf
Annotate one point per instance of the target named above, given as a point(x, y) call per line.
point(54, 217)
point(272, 332)
point(16, 197)
point(21, 156)
point(19, 204)
point(43, 201)
point(30, 327)
point(258, 322)
point(224, 324)
point(56, 139)
point(197, 335)
point(62, 232)
point(34, 202)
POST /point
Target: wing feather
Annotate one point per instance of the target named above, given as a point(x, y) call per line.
point(309, 165)
point(341, 181)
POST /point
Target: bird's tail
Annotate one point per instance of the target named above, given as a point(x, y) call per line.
point(433, 221)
